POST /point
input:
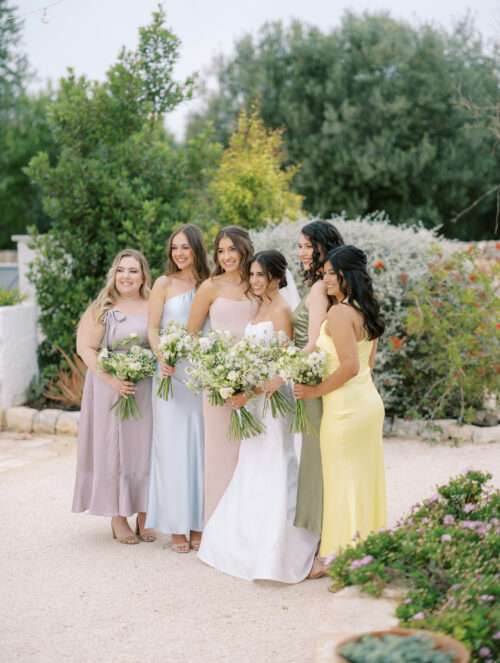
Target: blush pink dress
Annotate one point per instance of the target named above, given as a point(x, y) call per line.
point(221, 452)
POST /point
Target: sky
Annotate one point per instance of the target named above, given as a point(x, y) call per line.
point(88, 34)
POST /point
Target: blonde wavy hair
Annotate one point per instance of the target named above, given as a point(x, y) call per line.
point(106, 299)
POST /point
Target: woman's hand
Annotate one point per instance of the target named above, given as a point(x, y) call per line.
point(123, 387)
point(238, 401)
point(272, 385)
point(305, 392)
point(166, 370)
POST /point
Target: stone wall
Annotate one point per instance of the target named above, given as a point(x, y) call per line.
point(18, 357)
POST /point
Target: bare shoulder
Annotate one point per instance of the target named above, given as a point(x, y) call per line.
point(318, 290)
point(209, 287)
point(341, 313)
point(161, 284)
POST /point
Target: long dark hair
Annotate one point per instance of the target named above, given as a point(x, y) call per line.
point(273, 265)
point(241, 240)
point(324, 237)
point(195, 241)
point(349, 264)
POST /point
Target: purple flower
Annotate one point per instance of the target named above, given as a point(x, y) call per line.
point(419, 616)
point(486, 597)
point(495, 522)
point(469, 507)
point(484, 652)
point(446, 537)
point(358, 563)
point(448, 519)
point(432, 498)
point(454, 588)
point(496, 636)
point(407, 601)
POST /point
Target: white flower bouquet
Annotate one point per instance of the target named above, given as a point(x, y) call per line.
point(225, 369)
point(270, 350)
point(175, 343)
point(127, 361)
point(302, 368)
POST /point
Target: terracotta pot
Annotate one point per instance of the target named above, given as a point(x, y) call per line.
point(443, 642)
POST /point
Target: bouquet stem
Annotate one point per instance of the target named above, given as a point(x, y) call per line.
point(301, 422)
point(165, 388)
point(127, 408)
point(244, 425)
point(279, 403)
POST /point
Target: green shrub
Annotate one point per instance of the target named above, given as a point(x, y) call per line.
point(452, 326)
point(446, 552)
point(10, 297)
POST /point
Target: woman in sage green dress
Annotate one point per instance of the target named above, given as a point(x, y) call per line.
point(316, 240)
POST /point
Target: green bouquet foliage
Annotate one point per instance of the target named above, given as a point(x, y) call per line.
point(446, 552)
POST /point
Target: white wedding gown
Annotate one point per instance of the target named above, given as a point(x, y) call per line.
point(251, 534)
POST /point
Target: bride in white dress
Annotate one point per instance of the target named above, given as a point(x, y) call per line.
point(251, 534)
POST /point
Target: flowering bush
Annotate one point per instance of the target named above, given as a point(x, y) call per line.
point(453, 320)
point(397, 259)
point(427, 365)
point(446, 552)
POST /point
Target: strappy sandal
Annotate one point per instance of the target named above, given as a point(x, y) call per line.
point(147, 538)
point(129, 540)
point(182, 547)
point(318, 570)
point(195, 544)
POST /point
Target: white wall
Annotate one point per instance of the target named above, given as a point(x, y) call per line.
point(18, 344)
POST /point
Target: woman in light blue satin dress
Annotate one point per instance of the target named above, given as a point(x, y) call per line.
point(176, 482)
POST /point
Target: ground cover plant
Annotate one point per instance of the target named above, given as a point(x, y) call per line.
point(445, 551)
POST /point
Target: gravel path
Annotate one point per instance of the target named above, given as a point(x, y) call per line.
point(69, 593)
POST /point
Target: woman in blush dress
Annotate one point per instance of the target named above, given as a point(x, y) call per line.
point(176, 488)
point(251, 534)
point(112, 471)
point(225, 301)
point(354, 500)
point(315, 241)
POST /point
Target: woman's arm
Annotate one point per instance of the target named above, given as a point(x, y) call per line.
point(373, 354)
point(341, 329)
point(155, 312)
point(88, 340)
point(317, 306)
point(200, 308)
point(89, 336)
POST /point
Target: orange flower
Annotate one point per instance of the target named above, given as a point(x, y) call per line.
point(403, 277)
point(470, 248)
point(497, 325)
point(379, 264)
point(497, 246)
point(472, 278)
point(397, 343)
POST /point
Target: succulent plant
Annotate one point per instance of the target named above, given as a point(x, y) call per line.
point(394, 649)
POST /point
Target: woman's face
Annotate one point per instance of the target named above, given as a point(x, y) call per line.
point(306, 250)
point(128, 277)
point(228, 256)
point(259, 282)
point(181, 252)
point(331, 281)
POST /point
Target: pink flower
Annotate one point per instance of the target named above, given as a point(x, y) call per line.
point(484, 652)
point(359, 563)
point(419, 616)
point(448, 519)
point(407, 601)
point(469, 507)
point(496, 636)
point(445, 538)
point(486, 597)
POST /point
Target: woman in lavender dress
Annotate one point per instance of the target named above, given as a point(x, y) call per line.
point(112, 472)
point(176, 488)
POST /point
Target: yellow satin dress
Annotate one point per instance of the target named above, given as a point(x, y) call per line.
point(354, 498)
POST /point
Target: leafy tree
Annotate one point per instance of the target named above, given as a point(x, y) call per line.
point(250, 187)
point(372, 114)
point(118, 180)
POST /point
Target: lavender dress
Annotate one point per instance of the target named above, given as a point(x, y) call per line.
point(112, 471)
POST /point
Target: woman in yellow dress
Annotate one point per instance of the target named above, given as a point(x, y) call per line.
point(354, 499)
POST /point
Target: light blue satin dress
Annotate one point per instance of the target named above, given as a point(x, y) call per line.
point(176, 479)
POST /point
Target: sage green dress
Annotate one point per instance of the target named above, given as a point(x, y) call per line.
point(309, 511)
